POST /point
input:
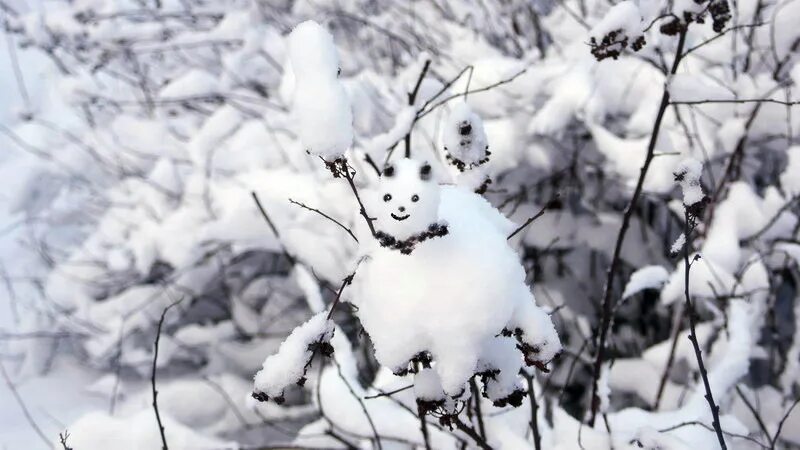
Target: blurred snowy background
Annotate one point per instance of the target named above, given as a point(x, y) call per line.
point(132, 133)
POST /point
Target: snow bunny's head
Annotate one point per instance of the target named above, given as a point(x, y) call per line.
point(407, 199)
point(312, 52)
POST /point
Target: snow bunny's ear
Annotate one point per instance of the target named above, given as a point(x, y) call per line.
point(425, 172)
point(388, 171)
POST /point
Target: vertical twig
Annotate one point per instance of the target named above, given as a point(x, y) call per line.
point(153, 376)
point(537, 438)
point(412, 97)
point(476, 394)
point(691, 313)
point(676, 331)
point(607, 304)
point(23, 407)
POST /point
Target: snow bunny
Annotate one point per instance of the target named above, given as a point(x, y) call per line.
point(454, 300)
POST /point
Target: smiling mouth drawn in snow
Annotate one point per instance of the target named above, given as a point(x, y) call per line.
point(400, 218)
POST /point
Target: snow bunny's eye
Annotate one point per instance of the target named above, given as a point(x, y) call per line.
point(387, 197)
point(415, 198)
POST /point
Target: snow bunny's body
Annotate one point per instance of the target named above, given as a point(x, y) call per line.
point(452, 294)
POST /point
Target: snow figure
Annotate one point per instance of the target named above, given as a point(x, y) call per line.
point(320, 106)
point(465, 148)
point(457, 304)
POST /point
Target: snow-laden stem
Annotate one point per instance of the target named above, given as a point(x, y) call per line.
point(153, 376)
point(691, 314)
point(607, 304)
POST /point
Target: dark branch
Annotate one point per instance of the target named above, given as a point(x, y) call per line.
point(153, 375)
point(607, 304)
point(274, 229)
point(552, 202)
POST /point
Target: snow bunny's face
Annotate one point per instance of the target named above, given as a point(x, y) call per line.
point(407, 199)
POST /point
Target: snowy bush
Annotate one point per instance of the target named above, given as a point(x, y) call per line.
point(359, 201)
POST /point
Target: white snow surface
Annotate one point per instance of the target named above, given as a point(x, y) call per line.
point(649, 277)
point(623, 16)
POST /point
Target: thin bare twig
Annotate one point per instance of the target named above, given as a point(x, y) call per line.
point(552, 202)
point(348, 230)
point(23, 407)
point(360, 403)
point(753, 411)
point(153, 375)
point(292, 259)
point(741, 100)
point(469, 431)
point(389, 393)
point(349, 176)
point(691, 314)
point(780, 424)
point(412, 97)
point(62, 437)
point(534, 424)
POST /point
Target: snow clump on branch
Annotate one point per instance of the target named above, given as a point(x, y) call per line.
point(289, 365)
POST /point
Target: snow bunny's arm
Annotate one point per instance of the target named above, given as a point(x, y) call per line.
point(289, 365)
point(459, 198)
point(535, 333)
